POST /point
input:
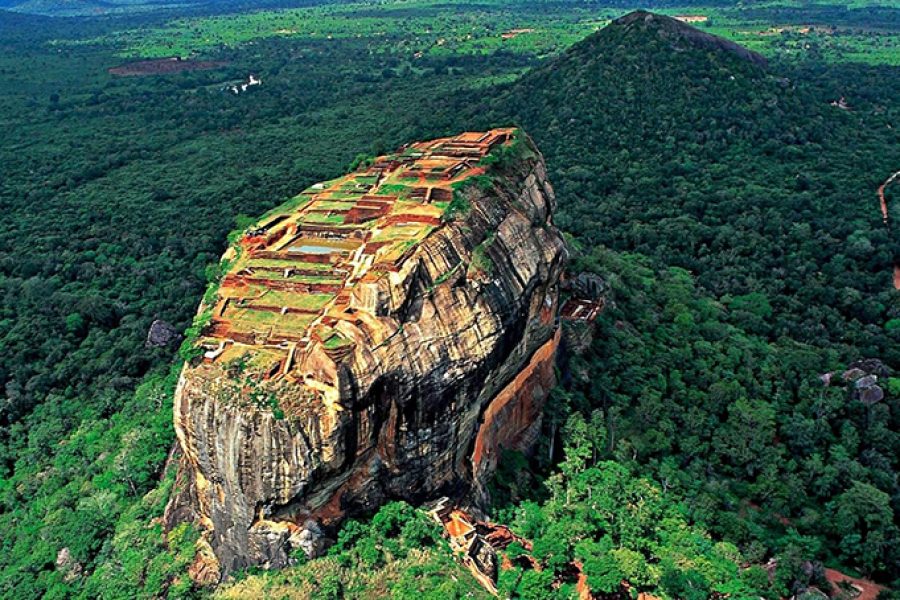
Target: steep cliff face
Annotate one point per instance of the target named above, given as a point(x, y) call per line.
point(380, 337)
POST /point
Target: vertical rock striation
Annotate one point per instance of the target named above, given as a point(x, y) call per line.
point(425, 370)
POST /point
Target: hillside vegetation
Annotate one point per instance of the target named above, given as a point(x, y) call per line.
point(731, 208)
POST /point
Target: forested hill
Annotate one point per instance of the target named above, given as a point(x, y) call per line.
point(680, 36)
point(666, 144)
point(732, 209)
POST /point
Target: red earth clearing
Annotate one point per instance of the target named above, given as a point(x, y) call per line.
point(868, 590)
point(163, 66)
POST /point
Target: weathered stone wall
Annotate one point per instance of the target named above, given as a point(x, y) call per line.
point(445, 370)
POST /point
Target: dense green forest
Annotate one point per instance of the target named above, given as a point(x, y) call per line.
point(729, 207)
point(756, 194)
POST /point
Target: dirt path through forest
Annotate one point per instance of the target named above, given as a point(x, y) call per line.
point(884, 217)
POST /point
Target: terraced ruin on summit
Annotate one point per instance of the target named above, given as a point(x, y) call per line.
point(313, 262)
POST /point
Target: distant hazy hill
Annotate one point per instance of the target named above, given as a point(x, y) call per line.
point(87, 8)
point(73, 8)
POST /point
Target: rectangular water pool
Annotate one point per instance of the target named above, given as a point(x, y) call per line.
point(310, 249)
